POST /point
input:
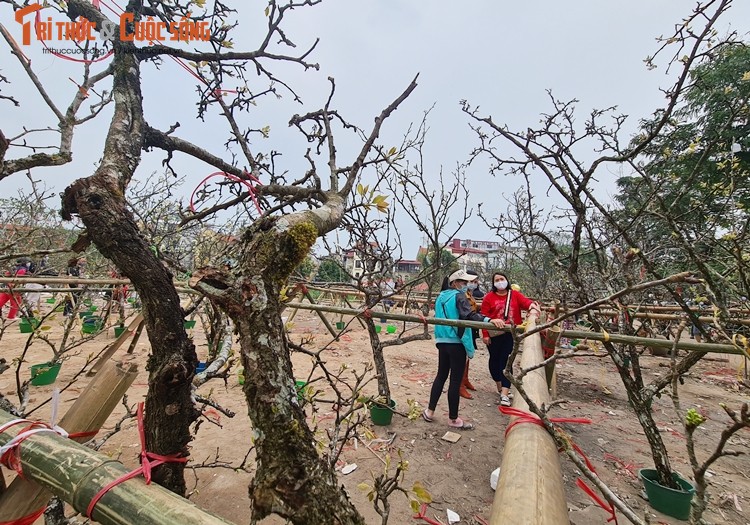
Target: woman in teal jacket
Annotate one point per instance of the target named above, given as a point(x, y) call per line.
point(454, 345)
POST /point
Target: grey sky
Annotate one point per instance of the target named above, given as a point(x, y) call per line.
point(499, 55)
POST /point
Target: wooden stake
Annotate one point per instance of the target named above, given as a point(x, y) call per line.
point(134, 325)
point(89, 412)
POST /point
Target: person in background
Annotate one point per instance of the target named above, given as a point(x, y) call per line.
point(471, 295)
point(33, 300)
point(9, 296)
point(504, 303)
point(454, 345)
point(75, 269)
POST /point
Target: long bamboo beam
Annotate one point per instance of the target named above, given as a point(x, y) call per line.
point(89, 412)
point(76, 474)
point(356, 293)
point(706, 348)
point(670, 317)
point(646, 307)
point(530, 490)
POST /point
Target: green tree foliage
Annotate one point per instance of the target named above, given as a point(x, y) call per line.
point(306, 269)
point(436, 267)
point(330, 271)
point(694, 183)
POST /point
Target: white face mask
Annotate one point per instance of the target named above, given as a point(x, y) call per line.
point(501, 285)
point(472, 286)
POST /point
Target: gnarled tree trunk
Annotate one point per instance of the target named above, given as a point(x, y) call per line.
point(100, 203)
point(291, 479)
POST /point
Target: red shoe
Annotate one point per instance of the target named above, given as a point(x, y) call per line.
point(464, 393)
point(465, 383)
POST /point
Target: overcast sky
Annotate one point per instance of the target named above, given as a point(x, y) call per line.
point(502, 56)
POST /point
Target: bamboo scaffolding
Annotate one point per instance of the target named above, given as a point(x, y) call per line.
point(706, 348)
point(530, 490)
point(23, 496)
point(76, 474)
point(323, 318)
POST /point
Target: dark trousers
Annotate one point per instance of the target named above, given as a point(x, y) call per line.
point(451, 361)
point(500, 349)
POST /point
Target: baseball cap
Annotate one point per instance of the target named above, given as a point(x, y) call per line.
point(461, 275)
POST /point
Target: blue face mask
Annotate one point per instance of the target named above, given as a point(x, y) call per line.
point(464, 288)
point(472, 286)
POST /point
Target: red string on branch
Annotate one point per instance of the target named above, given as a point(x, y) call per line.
point(247, 183)
point(149, 460)
point(599, 501)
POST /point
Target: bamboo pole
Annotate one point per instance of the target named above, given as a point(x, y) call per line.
point(669, 317)
point(344, 292)
point(320, 314)
point(706, 348)
point(116, 344)
point(84, 289)
point(530, 490)
point(89, 412)
point(76, 474)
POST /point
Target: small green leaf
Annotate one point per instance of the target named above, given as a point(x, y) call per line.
point(421, 492)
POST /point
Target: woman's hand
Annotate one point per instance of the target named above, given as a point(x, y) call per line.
point(499, 323)
point(486, 340)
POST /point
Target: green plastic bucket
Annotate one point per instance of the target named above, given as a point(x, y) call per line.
point(391, 328)
point(28, 324)
point(340, 325)
point(119, 330)
point(92, 325)
point(301, 387)
point(44, 373)
point(378, 328)
point(189, 324)
point(675, 503)
point(382, 415)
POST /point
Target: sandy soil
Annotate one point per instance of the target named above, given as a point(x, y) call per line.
point(456, 474)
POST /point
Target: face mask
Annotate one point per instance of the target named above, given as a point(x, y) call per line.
point(472, 286)
point(501, 285)
point(464, 288)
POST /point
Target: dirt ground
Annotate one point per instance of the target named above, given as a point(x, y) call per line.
point(457, 475)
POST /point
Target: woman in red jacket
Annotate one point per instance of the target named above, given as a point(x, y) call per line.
point(506, 304)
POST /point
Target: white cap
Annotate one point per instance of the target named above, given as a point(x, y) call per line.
point(461, 275)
